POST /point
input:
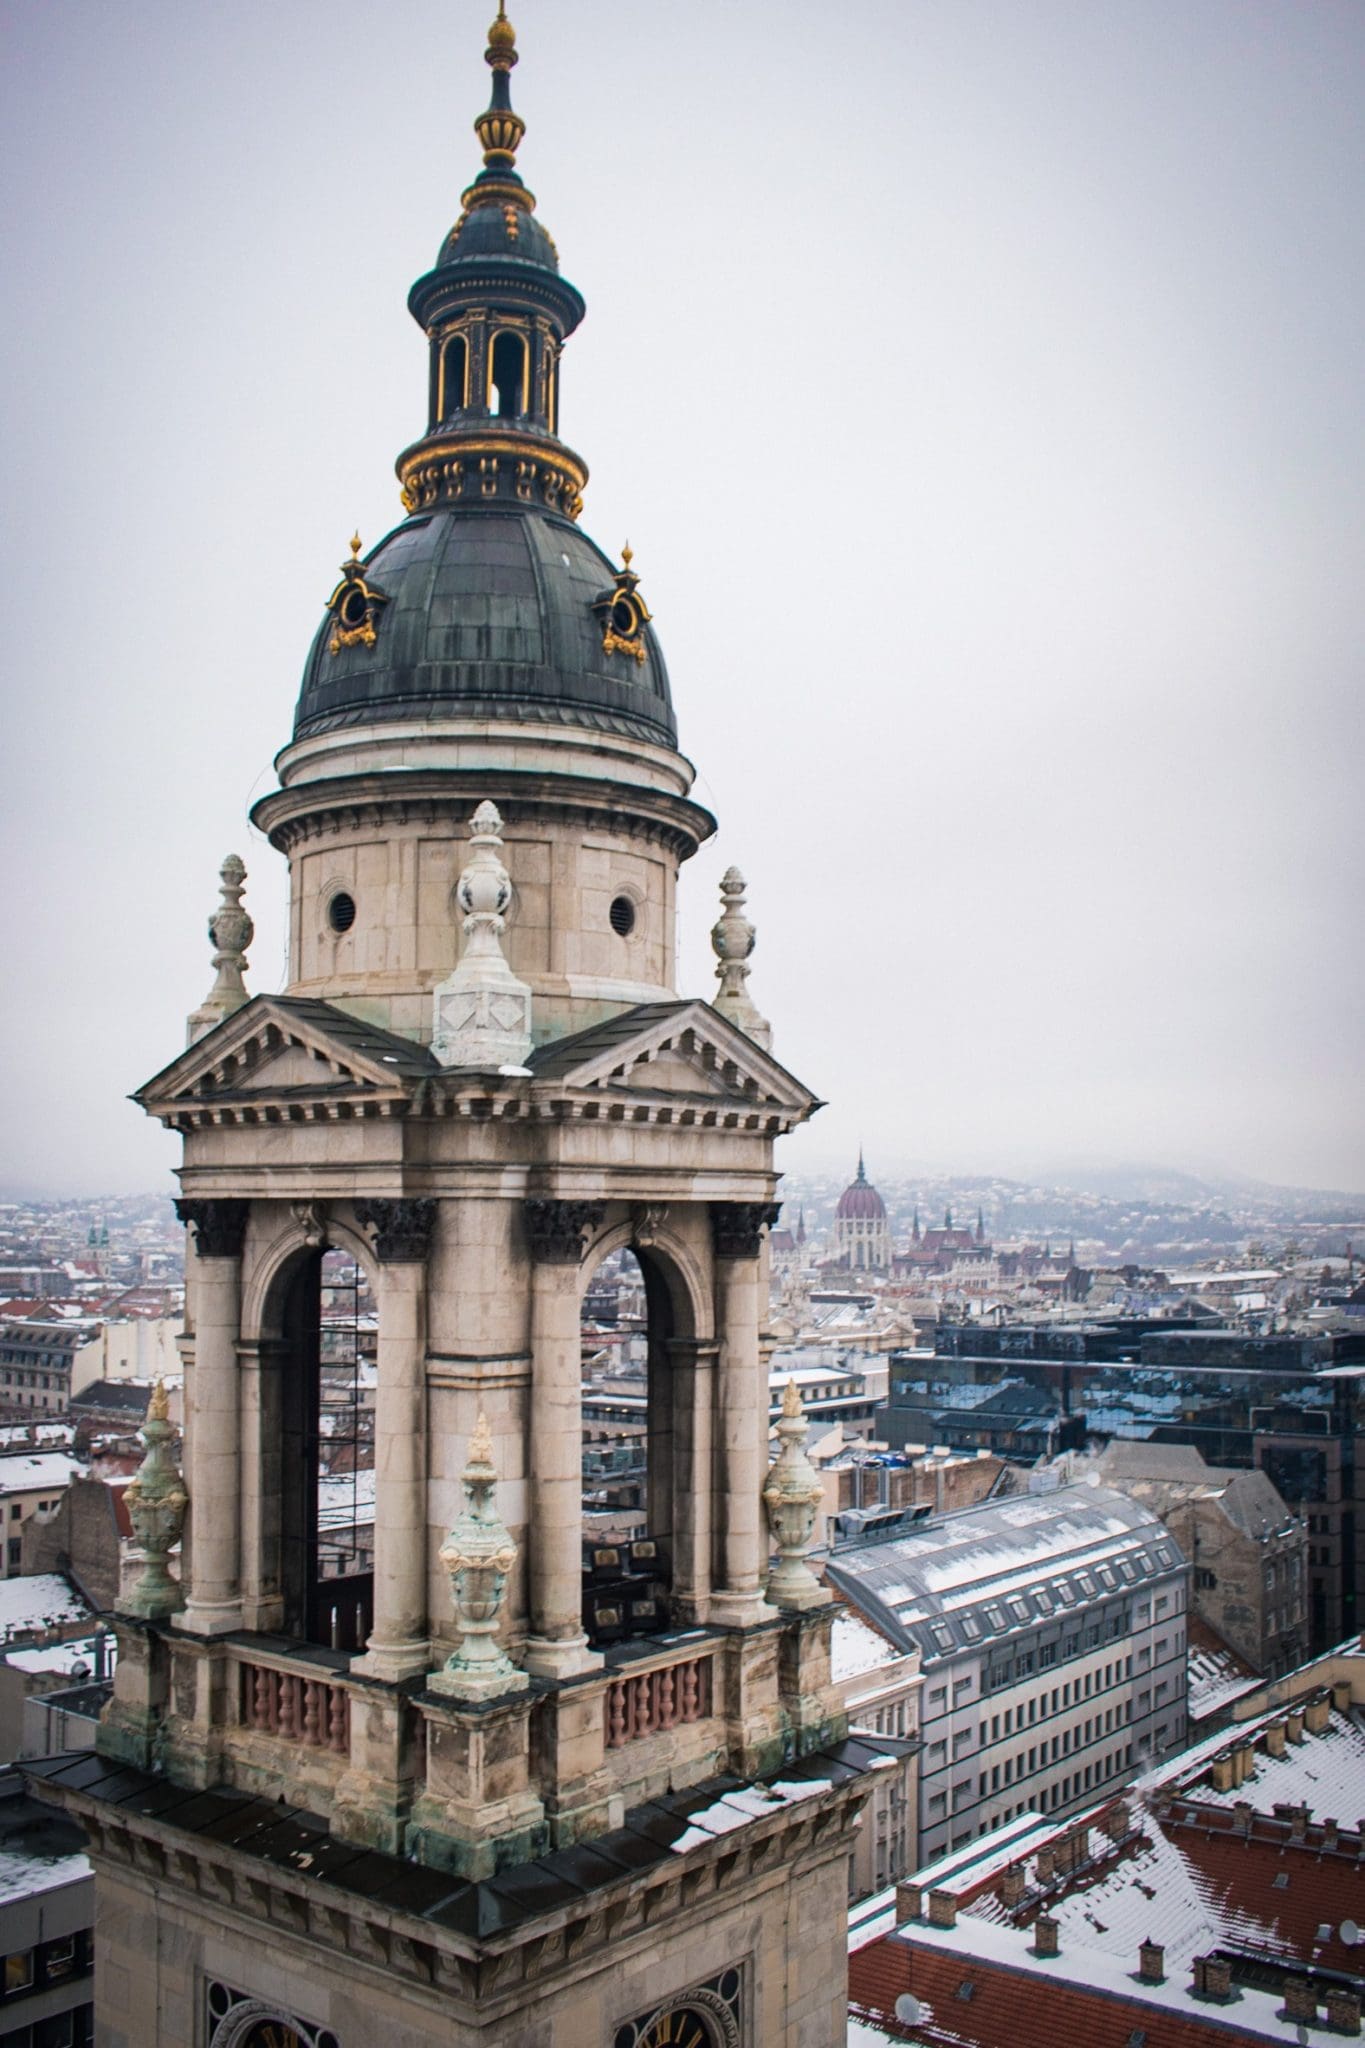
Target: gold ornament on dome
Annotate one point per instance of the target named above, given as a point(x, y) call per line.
point(623, 612)
point(355, 605)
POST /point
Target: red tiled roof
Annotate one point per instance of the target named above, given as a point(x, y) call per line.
point(1009, 2008)
point(1237, 1874)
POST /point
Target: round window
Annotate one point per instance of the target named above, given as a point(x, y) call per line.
point(625, 619)
point(353, 609)
point(622, 916)
point(341, 912)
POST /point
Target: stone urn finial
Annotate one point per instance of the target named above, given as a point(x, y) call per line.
point(482, 1013)
point(732, 941)
point(156, 1501)
point(791, 1496)
point(478, 1554)
point(230, 933)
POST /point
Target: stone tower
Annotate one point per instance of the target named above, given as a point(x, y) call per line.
point(435, 1794)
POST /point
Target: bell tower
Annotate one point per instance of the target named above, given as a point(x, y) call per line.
point(478, 1780)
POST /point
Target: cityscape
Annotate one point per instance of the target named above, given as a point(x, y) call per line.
point(522, 1519)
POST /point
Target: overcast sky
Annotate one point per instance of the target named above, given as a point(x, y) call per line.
point(980, 387)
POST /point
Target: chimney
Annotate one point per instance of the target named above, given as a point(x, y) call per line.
point(1274, 1738)
point(1223, 1772)
point(1242, 1811)
point(942, 1909)
point(1294, 1724)
point(1243, 1762)
point(1152, 1963)
point(1298, 1824)
point(1300, 2000)
point(1012, 1885)
point(908, 1901)
point(1045, 1941)
point(1343, 2011)
point(1212, 1978)
point(1317, 1714)
point(1330, 1834)
point(1116, 1820)
point(1045, 1868)
point(1341, 1696)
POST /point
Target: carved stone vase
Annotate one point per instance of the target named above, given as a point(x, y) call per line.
point(156, 1501)
point(791, 1496)
point(478, 1554)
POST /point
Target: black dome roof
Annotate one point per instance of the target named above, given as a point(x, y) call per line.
point(488, 614)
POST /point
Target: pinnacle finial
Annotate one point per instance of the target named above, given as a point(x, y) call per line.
point(230, 933)
point(732, 941)
point(627, 555)
point(791, 1401)
point(355, 545)
point(481, 1443)
point(159, 1407)
point(501, 53)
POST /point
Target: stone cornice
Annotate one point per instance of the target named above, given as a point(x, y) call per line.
point(442, 796)
point(470, 1973)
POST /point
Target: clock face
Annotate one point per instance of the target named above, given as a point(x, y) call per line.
point(682, 2026)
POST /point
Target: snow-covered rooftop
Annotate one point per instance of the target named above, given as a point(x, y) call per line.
point(35, 1471)
point(856, 1648)
point(41, 1600)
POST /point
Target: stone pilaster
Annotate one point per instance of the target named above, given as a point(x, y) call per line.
point(398, 1646)
point(742, 1412)
point(557, 1232)
point(212, 1455)
point(692, 1369)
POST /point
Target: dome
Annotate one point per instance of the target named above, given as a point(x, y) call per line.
point(487, 612)
point(860, 1201)
point(505, 233)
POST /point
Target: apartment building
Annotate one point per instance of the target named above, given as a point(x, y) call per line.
point(1051, 1631)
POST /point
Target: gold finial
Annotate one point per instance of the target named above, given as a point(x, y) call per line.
point(159, 1407)
point(502, 41)
point(791, 1402)
point(355, 547)
point(627, 555)
point(481, 1443)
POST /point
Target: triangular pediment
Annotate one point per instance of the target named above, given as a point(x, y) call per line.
point(284, 1047)
point(685, 1050)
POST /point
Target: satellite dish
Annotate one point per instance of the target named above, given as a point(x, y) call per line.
point(907, 2008)
point(1349, 1933)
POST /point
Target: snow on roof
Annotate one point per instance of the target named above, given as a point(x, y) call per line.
point(1324, 1772)
point(41, 1600)
point(856, 1648)
point(1217, 1676)
point(62, 1658)
point(22, 1472)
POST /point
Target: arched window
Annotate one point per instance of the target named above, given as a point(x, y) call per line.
point(454, 376)
point(507, 372)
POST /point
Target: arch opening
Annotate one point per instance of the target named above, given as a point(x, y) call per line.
point(628, 1324)
point(454, 376)
point(507, 368)
point(328, 1347)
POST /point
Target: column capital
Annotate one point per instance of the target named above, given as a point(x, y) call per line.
point(558, 1231)
point(737, 1227)
point(401, 1228)
point(219, 1226)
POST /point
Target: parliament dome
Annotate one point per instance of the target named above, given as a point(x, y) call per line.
point(860, 1201)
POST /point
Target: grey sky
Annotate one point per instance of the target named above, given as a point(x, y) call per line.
point(980, 388)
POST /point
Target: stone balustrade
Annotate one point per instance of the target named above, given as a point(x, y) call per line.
point(315, 1712)
point(650, 1702)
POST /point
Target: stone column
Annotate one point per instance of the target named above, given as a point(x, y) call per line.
point(742, 1412)
point(693, 1369)
point(213, 1440)
point(398, 1645)
point(556, 1646)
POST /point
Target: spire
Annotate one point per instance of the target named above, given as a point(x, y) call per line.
point(915, 1230)
point(947, 1219)
point(980, 1224)
point(499, 129)
point(861, 1178)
